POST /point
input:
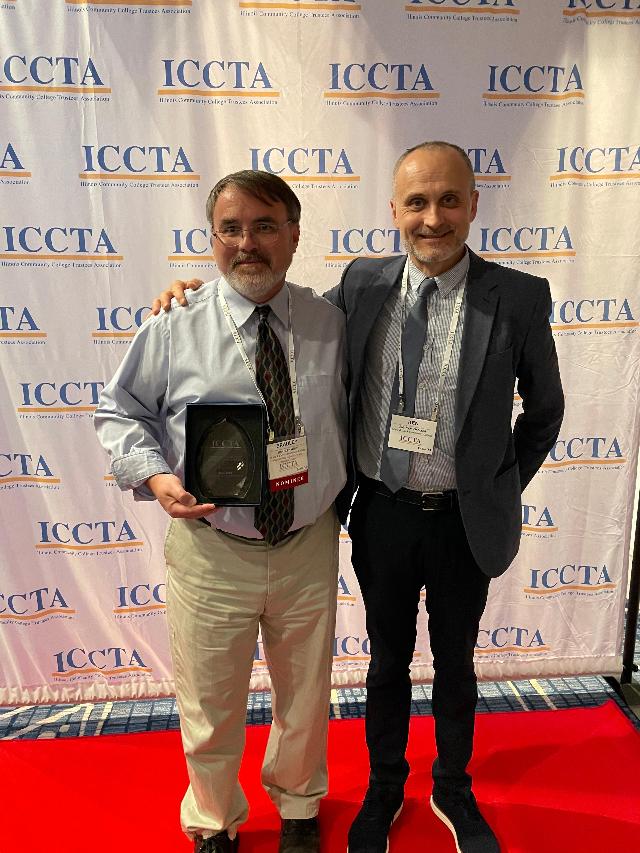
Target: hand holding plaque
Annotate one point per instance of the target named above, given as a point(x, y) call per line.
point(174, 499)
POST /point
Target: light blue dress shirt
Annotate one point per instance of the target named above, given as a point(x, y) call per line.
point(189, 356)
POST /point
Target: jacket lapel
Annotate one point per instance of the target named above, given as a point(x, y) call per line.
point(374, 294)
point(481, 304)
point(368, 302)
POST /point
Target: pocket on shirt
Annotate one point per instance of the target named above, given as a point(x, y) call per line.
point(321, 401)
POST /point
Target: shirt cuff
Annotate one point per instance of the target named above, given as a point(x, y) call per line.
point(134, 469)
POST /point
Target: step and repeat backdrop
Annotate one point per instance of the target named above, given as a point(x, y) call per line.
point(116, 118)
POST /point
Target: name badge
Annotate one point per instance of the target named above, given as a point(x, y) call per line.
point(415, 434)
point(287, 463)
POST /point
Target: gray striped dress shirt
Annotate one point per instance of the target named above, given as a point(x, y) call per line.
point(426, 473)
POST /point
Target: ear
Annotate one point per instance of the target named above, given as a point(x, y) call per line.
point(295, 234)
point(392, 205)
point(474, 204)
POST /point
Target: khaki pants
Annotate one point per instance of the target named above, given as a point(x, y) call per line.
point(220, 589)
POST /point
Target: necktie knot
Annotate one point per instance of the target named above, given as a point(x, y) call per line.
point(263, 312)
point(425, 287)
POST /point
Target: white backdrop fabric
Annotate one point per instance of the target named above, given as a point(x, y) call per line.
point(115, 121)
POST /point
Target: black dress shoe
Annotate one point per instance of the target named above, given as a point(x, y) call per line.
point(369, 832)
point(460, 813)
point(218, 843)
point(299, 835)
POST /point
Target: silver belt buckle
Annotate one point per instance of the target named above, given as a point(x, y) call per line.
point(424, 500)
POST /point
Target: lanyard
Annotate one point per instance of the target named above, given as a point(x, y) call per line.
point(446, 360)
point(251, 368)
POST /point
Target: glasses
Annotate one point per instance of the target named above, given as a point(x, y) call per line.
point(263, 233)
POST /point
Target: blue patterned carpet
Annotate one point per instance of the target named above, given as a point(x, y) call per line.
point(101, 718)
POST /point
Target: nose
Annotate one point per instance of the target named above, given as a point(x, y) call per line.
point(432, 216)
point(248, 240)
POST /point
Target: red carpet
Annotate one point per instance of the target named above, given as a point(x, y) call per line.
point(548, 781)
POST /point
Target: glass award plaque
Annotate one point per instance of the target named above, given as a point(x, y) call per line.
point(225, 452)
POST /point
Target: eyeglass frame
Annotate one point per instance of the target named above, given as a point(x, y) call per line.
point(251, 231)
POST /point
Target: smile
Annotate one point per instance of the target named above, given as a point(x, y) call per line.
point(432, 236)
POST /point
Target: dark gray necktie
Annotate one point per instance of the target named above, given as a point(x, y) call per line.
point(274, 516)
point(394, 468)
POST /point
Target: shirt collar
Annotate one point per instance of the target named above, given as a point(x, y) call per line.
point(448, 281)
point(242, 308)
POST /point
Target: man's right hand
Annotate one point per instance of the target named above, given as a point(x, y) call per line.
point(174, 500)
point(177, 289)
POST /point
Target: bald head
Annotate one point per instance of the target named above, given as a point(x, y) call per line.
point(437, 144)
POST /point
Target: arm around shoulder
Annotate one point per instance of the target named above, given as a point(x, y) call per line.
point(336, 294)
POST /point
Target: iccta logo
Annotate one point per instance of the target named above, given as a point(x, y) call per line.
point(533, 85)
point(112, 662)
point(18, 326)
point(135, 7)
point(300, 9)
point(572, 579)
point(593, 317)
point(380, 84)
point(216, 82)
point(349, 243)
point(52, 78)
point(190, 246)
point(602, 11)
point(527, 244)
point(347, 649)
point(118, 324)
point(136, 166)
point(496, 11)
point(140, 601)
point(12, 169)
point(600, 451)
point(59, 246)
point(600, 166)
point(538, 522)
point(58, 400)
point(86, 538)
point(27, 470)
point(510, 641)
point(489, 167)
point(307, 166)
point(34, 606)
point(259, 661)
point(346, 596)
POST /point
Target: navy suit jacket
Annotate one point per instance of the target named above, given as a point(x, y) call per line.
point(506, 339)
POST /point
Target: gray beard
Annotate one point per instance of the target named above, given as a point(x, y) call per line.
point(413, 252)
point(255, 286)
point(420, 256)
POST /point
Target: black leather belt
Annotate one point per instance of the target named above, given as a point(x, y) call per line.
point(428, 501)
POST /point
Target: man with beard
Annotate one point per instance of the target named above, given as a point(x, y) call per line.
point(436, 340)
point(249, 337)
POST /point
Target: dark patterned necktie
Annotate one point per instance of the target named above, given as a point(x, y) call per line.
point(394, 468)
point(274, 516)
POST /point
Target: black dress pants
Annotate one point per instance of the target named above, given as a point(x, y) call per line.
point(397, 548)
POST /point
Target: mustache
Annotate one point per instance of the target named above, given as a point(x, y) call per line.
point(248, 256)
